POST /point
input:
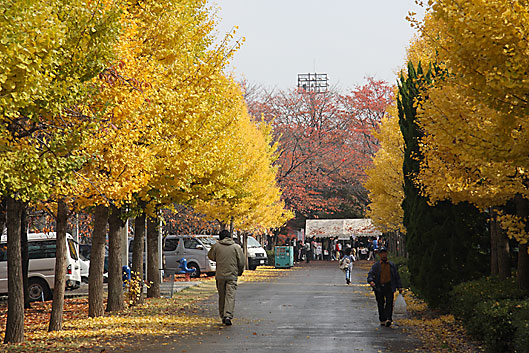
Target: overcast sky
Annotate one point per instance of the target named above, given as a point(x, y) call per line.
point(347, 39)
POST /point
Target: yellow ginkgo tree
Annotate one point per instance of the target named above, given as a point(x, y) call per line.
point(385, 179)
point(250, 199)
point(475, 114)
point(171, 108)
point(49, 52)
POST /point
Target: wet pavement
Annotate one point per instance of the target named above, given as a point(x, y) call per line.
point(309, 310)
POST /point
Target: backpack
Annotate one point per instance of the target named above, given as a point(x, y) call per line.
point(344, 263)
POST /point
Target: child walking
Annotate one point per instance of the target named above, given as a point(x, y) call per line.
point(346, 264)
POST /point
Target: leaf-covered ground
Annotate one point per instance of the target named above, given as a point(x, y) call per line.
point(168, 318)
point(439, 332)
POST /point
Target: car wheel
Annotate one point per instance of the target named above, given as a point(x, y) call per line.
point(252, 267)
point(84, 279)
point(196, 272)
point(38, 288)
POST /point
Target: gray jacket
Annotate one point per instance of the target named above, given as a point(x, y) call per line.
point(229, 258)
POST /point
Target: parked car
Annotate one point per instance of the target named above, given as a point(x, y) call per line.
point(41, 271)
point(84, 266)
point(193, 248)
point(256, 254)
point(84, 253)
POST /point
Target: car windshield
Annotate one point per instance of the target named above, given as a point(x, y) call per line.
point(253, 243)
point(208, 241)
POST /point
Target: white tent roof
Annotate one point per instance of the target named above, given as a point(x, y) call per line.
point(341, 228)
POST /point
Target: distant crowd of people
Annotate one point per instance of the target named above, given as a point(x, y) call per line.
point(333, 249)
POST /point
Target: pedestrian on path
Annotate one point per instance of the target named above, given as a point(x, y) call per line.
point(295, 245)
point(384, 278)
point(370, 248)
point(346, 264)
point(338, 250)
point(230, 264)
point(306, 249)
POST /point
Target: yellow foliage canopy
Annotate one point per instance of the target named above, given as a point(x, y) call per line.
point(474, 115)
point(251, 195)
point(385, 178)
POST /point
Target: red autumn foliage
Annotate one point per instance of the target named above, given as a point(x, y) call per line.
point(325, 142)
point(183, 220)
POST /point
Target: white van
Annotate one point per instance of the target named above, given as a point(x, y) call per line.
point(193, 248)
point(256, 254)
point(41, 272)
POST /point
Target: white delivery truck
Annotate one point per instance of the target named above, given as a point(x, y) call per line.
point(41, 271)
point(256, 254)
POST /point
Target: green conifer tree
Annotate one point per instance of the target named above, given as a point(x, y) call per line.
point(442, 240)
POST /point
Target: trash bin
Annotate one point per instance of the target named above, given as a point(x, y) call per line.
point(284, 256)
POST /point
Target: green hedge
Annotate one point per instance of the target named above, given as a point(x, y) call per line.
point(402, 266)
point(492, 323)
point(465, 296)
point(495, 312)
point(520, 321)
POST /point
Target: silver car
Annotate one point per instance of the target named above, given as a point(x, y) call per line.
point(193, 248)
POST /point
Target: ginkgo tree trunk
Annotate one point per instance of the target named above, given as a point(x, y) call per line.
point(153, 260)
point(60, 267)
point(138, 249)
point(15, 303)
point(115, 280)
point(97, 262)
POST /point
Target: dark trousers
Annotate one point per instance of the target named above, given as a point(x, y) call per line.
point(385, 302)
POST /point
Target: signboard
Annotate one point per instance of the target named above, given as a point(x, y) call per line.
point(301, 235)
point(341, 228)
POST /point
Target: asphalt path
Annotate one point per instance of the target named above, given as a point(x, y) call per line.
point(309, 310)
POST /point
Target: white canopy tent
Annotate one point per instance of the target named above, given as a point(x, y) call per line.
point(341, 228)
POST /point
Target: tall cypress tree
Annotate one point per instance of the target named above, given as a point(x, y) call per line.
point(442, 240)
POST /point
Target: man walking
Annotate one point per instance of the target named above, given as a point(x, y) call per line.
point(371, 255)
point(230, 264)
point(384, 279)
point(306, 250)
